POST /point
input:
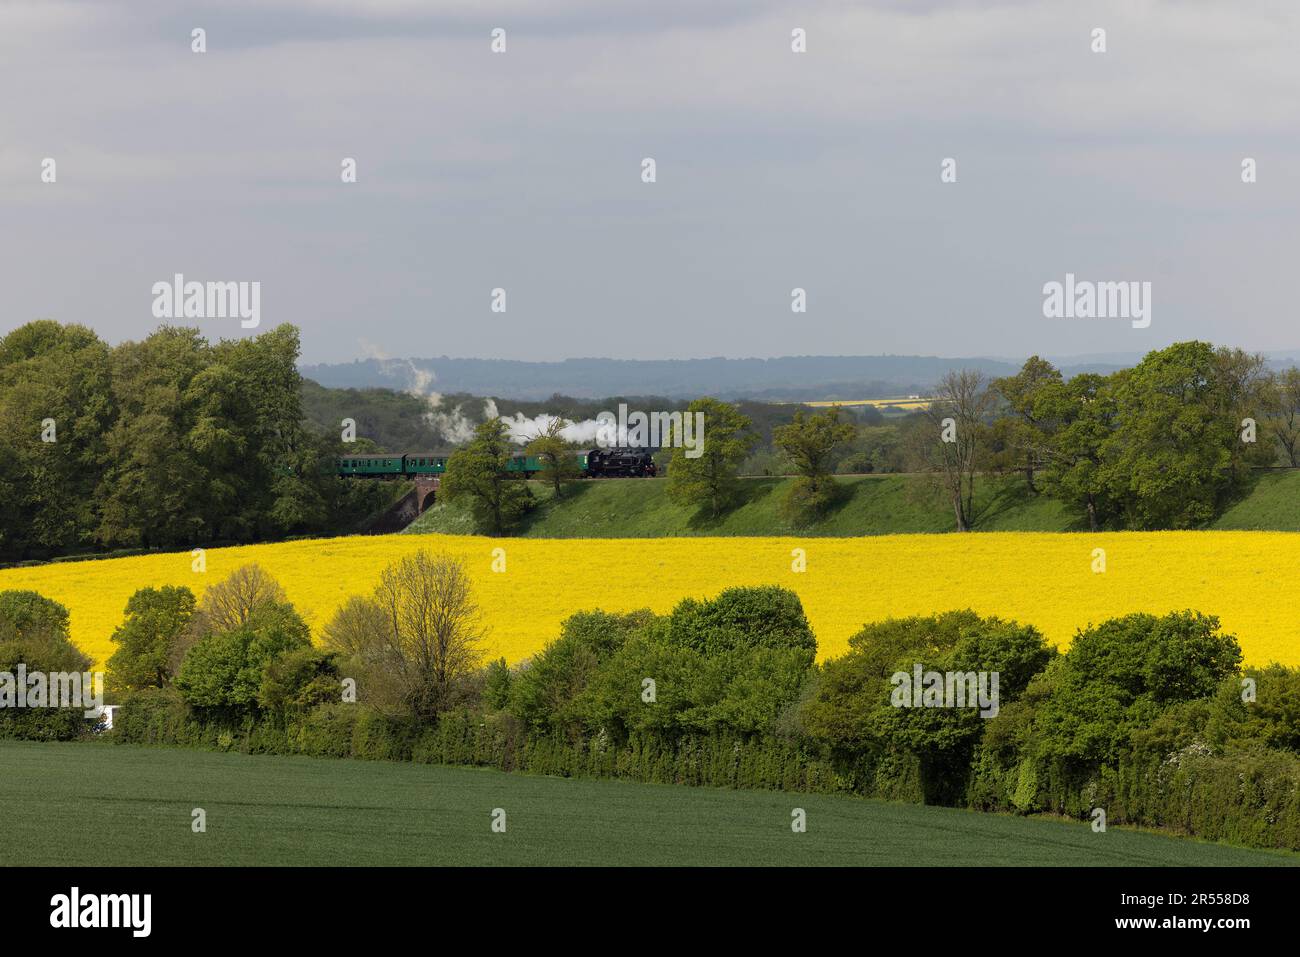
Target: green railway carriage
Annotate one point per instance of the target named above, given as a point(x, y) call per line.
point(424, 463)
point(432, 463)
point(524, 463)
point(370, 465)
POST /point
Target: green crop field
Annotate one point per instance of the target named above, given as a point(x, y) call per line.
point(96, 804)
point(872, 505)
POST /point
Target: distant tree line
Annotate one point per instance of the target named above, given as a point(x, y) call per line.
point(170, 441)
point(1166, 444)
point(173, 442)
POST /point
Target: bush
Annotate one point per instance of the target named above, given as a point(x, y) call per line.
point(767, 616)
point(547, 694)
point(854, 714)
point(225, 671)
point(34, 637)
point(155, 716)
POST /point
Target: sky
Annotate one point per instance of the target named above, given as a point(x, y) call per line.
point(522, 171)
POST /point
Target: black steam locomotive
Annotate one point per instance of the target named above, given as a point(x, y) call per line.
point(620, 463)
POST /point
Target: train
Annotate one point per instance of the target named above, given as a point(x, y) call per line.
point(592, 463)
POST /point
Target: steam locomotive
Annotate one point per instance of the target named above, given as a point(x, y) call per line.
point(593, 463)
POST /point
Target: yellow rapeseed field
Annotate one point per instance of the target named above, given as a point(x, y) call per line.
point(908, 404)
point(1248, 579)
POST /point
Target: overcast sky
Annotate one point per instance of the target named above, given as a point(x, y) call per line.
point(522, 170)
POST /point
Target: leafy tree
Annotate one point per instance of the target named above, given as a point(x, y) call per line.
point(555, 453)
point(157, 620)
point(1271, 718)
point(1082, 413)
point(29, 616)
point(730, 665)
point(54, 384)
point(547, 691)
point(225, 670)
point(733, 663)
point(852, 712)
point(742, 617)
point(1114, 687)
point(297, 681)
point(708, 480)
point(612, 697)
point(810, 442)
point(159, 487)
point(1171, 460)
point(478, 473)
point(497, 681)
point(34, 633)
point(1026, 431)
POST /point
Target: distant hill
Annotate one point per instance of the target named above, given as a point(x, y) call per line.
point(790, 378)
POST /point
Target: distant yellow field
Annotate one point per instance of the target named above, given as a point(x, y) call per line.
point(907, 403)
point(1249, 579)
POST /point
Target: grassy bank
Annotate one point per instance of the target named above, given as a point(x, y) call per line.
point(872, 505)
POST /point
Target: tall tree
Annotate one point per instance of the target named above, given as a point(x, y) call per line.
point(1082, 416)
point(148, 639)
point(953, 446)
point(55, 409)
point(1173, 457)
point(555, 453)
point(154, 489)
point(809, 442)
point(478, 473)
point(1284, 414)
point(1025, 432)
point(708, 479)
point(1242, 393)
point(415, 639)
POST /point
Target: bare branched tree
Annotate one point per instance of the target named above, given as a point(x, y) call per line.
point(1284, 413)
point(952, 448)
point(352, 630)
point(230, 603)
point(415, 639)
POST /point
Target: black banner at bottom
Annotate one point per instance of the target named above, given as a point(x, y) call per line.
point(333, 906)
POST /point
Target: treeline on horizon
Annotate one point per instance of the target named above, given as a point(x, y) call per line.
point(1167, 444)
point(176, 442)
point(1151, 720)
point(170, 441)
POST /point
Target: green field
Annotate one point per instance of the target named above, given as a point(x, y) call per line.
point(873, 505)
point(97, 804)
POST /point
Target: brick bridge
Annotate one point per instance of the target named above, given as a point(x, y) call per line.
point(407, 508)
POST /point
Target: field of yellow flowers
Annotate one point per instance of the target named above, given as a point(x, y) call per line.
point(1249, 579)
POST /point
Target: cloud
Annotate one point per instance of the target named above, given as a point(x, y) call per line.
point(775, 170)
